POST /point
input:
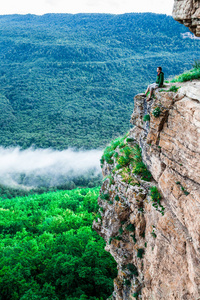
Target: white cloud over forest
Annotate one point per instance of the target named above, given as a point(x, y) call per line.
point(46, 163)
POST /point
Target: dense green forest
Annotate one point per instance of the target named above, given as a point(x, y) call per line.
point(69, 80)
point(49, 251)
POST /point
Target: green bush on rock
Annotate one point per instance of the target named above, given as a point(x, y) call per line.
point(173, 88)
point(140, 253)
point(156, 112)
point(127, 156)
point(156, 198)
point(146, 118)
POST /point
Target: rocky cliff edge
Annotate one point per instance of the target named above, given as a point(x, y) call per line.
point(151, 221)
point(187, 12)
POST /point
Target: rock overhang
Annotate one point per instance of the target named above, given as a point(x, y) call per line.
point(187, 12)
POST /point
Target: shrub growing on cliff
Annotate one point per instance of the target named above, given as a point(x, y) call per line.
point(118, 238)
point(130, 140)
point(130, 227)
point(127, 156)
point(183, 188)
point(134, 238)
point(127, 282)
point(121, 230)
point(110, 150)
point(137, 153)
point(173, 88)
point(117, 198)
point(146, 118)
point(140, 252)
point(156, 112)
point(111, 179)
point(116, 155)
point(137, 294)
point(107, 157)
point(153, 232)
point(141, 169)
point(132, 268)
point(156, 197)
point(105, 196)
point(122, 162)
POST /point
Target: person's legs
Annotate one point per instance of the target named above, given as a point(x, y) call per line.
point(150, 94)
point(147, 90)
point(152, 87)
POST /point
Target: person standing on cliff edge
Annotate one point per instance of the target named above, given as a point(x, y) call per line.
point(155, 85)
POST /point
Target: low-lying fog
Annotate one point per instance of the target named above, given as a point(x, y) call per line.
point(31, 167)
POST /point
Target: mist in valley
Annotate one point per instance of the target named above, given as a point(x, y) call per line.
point(32, 168)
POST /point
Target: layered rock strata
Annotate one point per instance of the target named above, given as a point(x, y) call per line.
point(187, 12)
point(156, 245)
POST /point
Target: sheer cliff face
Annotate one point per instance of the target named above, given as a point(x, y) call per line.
point(187, 12)
point(155, 238)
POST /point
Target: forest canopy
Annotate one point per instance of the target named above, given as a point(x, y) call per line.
point(48, 249)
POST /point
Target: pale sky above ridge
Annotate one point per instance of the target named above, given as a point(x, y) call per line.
point(40, 7)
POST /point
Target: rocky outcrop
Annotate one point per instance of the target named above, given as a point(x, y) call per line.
point(152, 226)
point(187, 12)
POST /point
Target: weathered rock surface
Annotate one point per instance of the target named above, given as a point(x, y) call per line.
point(168, 266)
point(187, 12)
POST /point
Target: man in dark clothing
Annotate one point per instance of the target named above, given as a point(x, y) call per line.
point(155, 85)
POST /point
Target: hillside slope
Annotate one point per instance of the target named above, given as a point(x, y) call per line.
point(69, 80)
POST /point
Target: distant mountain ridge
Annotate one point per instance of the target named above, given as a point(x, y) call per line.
point(69, 80)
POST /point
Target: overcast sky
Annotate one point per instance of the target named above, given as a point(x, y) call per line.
point(40, 7)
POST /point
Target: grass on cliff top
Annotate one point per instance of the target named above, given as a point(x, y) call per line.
point(189, 75)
